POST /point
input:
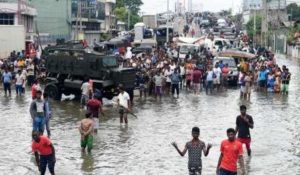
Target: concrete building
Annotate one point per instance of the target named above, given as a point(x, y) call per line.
point(14, 13)
point(16, 26)
point(53, 20)
point(60, 19)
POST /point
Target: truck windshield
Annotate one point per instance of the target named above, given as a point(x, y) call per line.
point(109, 61)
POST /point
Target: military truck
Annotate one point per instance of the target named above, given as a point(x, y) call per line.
point(68, 65)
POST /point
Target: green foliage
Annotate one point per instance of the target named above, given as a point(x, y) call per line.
point(133, 5)
point(294, 11)
point(121, 11)
point(250, 26)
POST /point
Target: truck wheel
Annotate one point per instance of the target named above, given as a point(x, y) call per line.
point(53, 92)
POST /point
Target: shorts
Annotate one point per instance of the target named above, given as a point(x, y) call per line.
point(143, 87)
point(247, 89)
point(195, 170)
point(158, 90)
point(84, 99)
point(243, 89)
point(168, 84)
point(226, 172)
point(44, 161)
point(196, 86)
point(217, 81)
point(245, 141)
point(262, 83)
point(96, 123)
point(87, 142)
point(284, 87)
point(122, 110)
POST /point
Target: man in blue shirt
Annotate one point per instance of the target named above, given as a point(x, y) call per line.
point(262, 79)
point(175, 79)
point(6, 79)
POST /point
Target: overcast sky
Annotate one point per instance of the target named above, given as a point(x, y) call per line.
point(156, 6)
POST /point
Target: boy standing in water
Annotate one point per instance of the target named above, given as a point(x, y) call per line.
point(195, 148)
point(86, 132)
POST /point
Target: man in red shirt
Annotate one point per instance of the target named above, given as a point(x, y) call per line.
point(44, 153)
point(231, 152)
point(93, 106)
point(225, 73)
point(196, 79)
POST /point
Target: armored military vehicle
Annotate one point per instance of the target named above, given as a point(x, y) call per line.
point(69, 64)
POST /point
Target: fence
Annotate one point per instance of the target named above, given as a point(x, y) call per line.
point(293, 51)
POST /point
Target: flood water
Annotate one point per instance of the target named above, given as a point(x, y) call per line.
point(143, 147)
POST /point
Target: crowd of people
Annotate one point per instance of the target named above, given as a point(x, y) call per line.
point(161, 74)
point(158, 74)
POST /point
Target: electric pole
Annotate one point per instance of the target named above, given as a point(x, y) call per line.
point(168, 18)
point(264, 24)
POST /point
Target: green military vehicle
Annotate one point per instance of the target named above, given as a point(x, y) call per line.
point(68, 65)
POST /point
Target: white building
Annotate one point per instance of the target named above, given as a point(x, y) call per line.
point(12, 13)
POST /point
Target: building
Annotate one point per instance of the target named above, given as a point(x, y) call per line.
point(14, 13)
point(74, 19)
point(53, 20)
point(252, 5)
point(16, 26)
point(110, 18)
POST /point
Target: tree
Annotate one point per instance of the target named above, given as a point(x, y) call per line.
point(121, 11)
point(294, 11)
point(133, 5)
point(250, 26)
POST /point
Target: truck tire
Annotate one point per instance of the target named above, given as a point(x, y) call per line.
point(53, 91)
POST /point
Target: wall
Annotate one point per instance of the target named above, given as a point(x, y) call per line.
point(293, 51)
point(53, 16)
point(14, 39)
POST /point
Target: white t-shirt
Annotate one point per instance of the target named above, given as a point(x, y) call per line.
point(85, 88)
point(218, 72)
point(167, 75)
point(19, 79)
point(123, 99)
point(158, 80)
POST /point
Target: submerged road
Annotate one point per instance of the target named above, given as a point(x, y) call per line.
point(143, 147)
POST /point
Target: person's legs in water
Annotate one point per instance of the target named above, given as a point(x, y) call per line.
point(121, 112)
point(173, 90)
point(47, 124)
point(177, 89)
point(43, 164)
point(125, 118)
point(90, 140)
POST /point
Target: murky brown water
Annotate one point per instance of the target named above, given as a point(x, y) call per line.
point(144, 146)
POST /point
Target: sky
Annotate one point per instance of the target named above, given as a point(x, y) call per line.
point(157, 6)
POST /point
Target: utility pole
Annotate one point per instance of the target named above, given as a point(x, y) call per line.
point(254, 28)
point(80, 16)
point(264, 24)
point(168, 18)
point(128, 19)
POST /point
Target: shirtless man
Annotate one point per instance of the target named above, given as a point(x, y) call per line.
point(85, 129)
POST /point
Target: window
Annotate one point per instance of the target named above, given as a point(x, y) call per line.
point(6, 19)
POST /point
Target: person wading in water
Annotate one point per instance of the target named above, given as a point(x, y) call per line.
point(231, 152)
point(195, 148)
point(86, 132)
point(243, 124)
